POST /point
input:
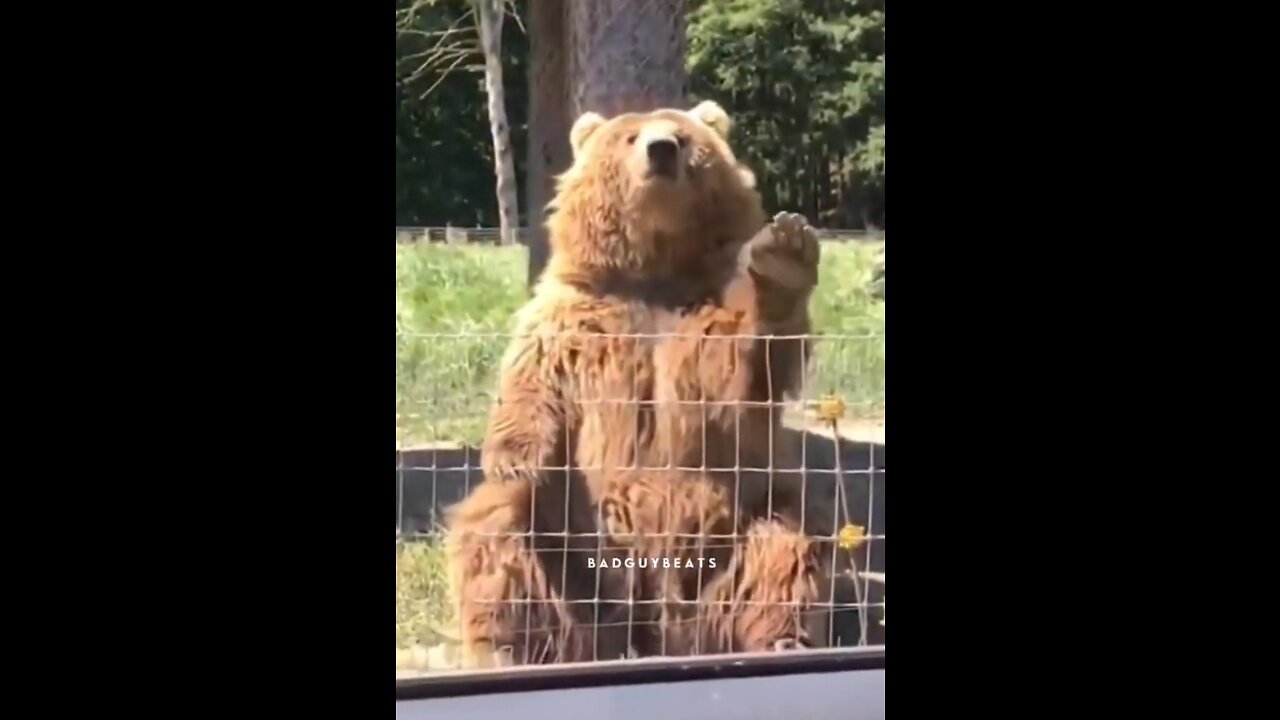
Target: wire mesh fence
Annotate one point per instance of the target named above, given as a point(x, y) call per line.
point(660, 524)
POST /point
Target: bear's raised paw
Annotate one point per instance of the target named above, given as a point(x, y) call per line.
point(786, 251)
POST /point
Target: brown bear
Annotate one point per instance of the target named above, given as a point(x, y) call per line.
point(635, 498)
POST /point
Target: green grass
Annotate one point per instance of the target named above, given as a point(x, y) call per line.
point(444, 385)
point(850, 360)
point(423, 613)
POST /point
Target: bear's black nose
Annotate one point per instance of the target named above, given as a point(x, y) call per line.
point(662, 155)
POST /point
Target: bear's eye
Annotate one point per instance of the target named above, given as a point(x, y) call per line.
point(631, 139)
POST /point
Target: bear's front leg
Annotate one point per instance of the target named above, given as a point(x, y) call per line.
point(732, 364)
point(778, 270)
point(719, 346)
point(526, 435)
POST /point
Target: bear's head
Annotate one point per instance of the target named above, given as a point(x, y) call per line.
point(653, 194)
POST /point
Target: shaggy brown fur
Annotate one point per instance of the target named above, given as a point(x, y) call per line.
point(637, 415)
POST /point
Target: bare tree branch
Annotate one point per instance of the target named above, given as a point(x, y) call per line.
point(443, 74)
point(451, 47)
point(440, 56)
point(407, 22)
point(410, 15)
point(432, 33)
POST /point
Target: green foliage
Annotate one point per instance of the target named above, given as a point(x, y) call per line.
point(804, 82)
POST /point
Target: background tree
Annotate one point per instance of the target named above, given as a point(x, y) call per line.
point(445, 159)
point(804, 80)
point(549, 118)
point(490, 14)
point(606, 56)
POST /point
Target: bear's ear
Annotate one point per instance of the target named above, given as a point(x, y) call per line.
point(709, 113)
point(588, 123)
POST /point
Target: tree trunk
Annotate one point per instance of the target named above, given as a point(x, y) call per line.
point(549, 120)
point(489, 14)
point(606, 56)
point(628, 55)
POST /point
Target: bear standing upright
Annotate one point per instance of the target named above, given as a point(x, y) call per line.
point(639, 415)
